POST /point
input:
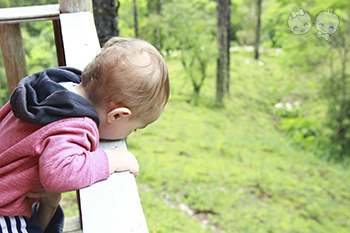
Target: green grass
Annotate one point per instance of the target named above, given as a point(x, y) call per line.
point(208, 169)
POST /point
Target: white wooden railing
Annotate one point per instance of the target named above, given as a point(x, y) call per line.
point(109, 206)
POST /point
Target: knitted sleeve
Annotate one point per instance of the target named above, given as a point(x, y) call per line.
point(68, 156)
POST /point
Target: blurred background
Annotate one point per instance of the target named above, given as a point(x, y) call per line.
point(256, 133)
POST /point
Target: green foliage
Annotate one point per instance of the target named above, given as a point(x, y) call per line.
point(325, 62)
point(205, 169)
point(248, 166)
point(4, 91)
point(151, 29)
point(191, 30)
point(336, 92)
point(301, 131)
point(4, 3)
point(230, 170)
point(187, 28)
point(39, 45)
point(288, 110)
point(126, 17)
point(243, 19)
point(20, 3)
point(69, 204)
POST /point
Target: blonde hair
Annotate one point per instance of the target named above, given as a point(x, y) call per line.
point(129, 73)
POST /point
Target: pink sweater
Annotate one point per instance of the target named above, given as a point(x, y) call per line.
point(58, 157)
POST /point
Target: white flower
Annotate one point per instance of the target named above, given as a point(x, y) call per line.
point(235, 49)
point(277, 52)
point(250, 48)
point(289, 106)
point(278, 105)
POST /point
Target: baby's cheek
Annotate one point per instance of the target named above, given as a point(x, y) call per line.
point(332, 30)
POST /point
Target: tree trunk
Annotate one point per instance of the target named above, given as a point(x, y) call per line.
point(135, 19)
point(154, 7)
point(223, 46)
point(106, 19)
point(228, 29)
point(257, 35)
point(159, 6)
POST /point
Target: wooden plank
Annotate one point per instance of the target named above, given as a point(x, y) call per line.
point(29, 13)
point(61, 60)
point(80, 39)
point(72, 225)
point(28, 20)
point(112, 205)
point(13, 54)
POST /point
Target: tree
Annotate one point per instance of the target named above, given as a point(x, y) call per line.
point(228, 28)
point(154, 14)
point(223, 41)
point(135, 19)
point(257, 34)
point(106, 18)
point(326, 61)
point(190, 30)
point(336, 90)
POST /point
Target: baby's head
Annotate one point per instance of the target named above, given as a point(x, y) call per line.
point(327, 22)
point(129, 74)
point(299, 22)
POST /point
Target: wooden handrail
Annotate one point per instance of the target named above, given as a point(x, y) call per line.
point(77, 44)
point(29, 14)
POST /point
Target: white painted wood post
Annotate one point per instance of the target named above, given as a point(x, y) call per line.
point(112, 205)
point(71, 6)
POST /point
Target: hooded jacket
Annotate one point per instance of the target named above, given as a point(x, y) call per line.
point(48, 140)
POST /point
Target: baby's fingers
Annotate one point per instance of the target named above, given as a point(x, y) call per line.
point(135, 169)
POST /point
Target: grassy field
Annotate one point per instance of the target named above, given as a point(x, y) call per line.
point(209, 169)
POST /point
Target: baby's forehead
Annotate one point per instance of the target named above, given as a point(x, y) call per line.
point(306, 18)
point(327, 17)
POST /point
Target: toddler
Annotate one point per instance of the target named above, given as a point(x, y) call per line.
point(51, 127)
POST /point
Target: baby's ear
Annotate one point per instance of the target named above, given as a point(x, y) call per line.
point(118, 113)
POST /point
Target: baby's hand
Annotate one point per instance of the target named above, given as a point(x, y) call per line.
point(122, 160)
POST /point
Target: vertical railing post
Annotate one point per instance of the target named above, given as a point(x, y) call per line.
point(69, 6)
point(13, 54)
point(59, 42)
